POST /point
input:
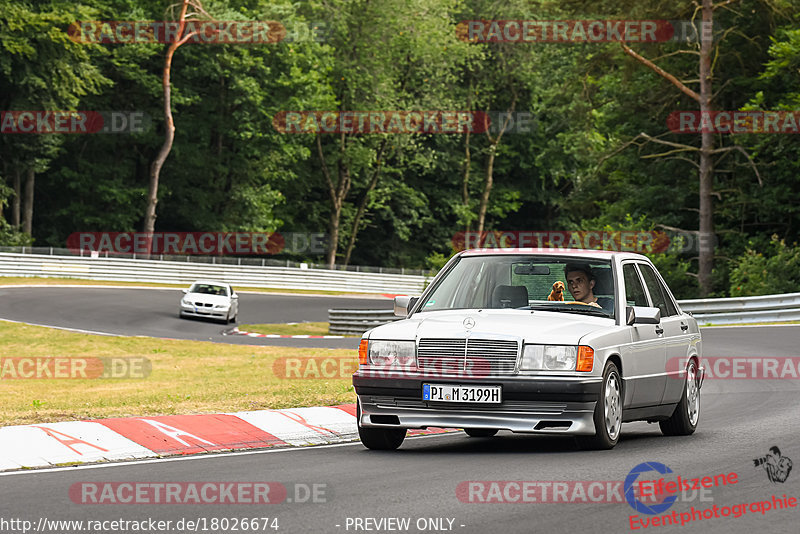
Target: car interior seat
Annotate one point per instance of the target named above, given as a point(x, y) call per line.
point(604, 288)
point(509, 297)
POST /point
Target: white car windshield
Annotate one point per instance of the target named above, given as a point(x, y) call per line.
point(209, 289)
point(525, 282)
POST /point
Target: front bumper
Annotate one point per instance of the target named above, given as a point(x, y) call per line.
point(530, 405)
point(194, 311)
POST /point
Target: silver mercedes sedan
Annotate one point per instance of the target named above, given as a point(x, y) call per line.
point(546, 342)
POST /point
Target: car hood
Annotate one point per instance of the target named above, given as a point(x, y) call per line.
point(532, 327)
point(207, 299)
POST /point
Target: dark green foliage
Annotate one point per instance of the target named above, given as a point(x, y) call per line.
point(230, 169)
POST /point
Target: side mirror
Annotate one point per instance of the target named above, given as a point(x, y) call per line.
point(234, 296)
point(402, 304)
point(184, 291)
point(642, 315)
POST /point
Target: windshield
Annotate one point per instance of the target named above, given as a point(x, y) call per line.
point(209, 289)
point(526, 282)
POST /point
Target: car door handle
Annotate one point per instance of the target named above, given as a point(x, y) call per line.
point(684, 327)
point(659, 330)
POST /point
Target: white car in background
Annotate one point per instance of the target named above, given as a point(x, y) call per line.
point(210, 299)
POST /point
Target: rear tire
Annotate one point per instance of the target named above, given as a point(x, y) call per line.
point(607, 413)
point(379, 439)
point(683, 421)
point(480, 432)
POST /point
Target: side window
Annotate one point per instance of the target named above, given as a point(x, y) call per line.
point(634, 292)
point(656, 291)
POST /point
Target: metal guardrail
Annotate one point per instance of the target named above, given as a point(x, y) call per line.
point(223, 260)
point(727, 311)
point(741, 310)
point(356, 322)
point(181, 272)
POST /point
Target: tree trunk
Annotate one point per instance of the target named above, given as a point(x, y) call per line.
point(706, 235)
point(166, 147)
point(15, 204)
point(333, 233)
point(169, 124)
point(27, 225)
point(489, 181)
point(362, 205)
point(337, 195)
point(487, 188)
point(465, 183)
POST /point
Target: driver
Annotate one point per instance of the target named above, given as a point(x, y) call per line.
point(580, 282)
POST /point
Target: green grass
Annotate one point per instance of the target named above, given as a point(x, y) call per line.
point(290, 329)
point(34, 280)
point(188, 377)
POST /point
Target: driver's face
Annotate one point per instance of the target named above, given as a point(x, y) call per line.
point(580, 286)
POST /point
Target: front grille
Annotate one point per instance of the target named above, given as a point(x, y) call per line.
point(475, 357)
point(201, 304)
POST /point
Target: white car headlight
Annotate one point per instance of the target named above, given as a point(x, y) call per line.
point(391, 353)
point(221, 306)
point(549, 358)
point(185, 301)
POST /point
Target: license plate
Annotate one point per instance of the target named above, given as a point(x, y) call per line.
point(471, 394)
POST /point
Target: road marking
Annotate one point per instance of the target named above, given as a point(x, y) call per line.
point(202, 456)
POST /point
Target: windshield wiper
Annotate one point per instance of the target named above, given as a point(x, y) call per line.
point(583, 309)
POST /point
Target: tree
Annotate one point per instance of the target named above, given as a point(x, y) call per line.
point(387, 55)
point(169, 124)
point(42, 70)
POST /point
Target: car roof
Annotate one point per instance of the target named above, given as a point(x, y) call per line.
point(588, 254)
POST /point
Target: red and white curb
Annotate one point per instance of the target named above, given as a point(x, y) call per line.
point(237, 332)
point(50, 444)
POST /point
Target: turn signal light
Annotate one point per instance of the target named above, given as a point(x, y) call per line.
point(362, 352)
point(585, 358)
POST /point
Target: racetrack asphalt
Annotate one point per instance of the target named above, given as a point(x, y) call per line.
point(154, 313)
point(740, 420)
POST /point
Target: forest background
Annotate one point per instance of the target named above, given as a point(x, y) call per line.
point(596, 153)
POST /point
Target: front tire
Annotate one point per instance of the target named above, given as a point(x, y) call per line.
point(607, 412)
point(683, 421)
point(379, 439)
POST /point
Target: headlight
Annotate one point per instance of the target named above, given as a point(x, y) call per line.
point(186, 302)
point(220, 306)
point(391, 353)
point(549, 358)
